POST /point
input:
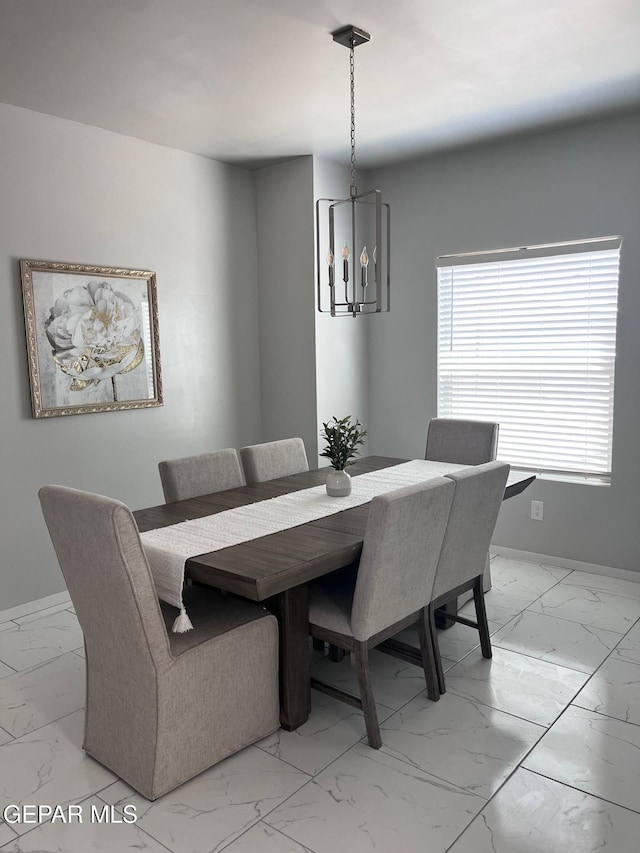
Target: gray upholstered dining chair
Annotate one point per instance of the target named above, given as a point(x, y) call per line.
point(466, 443)
point(461, 441)
point(160, 707)
point(394, 584)
point(192, 476)
point(474, 512)
point(273, 459)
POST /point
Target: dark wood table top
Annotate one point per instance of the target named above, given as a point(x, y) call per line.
point(266, 566)
point(263, 567)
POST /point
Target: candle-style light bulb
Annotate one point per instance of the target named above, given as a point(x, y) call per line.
point(346, 254)
point(375, 264)
point(364, 263)
point(330, 264)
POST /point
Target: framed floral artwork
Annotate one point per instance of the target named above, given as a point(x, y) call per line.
point(92, 338)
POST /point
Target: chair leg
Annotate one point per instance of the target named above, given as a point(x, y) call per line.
point(481, 618)
point(436, 649)
point(428, 656)
point(361, 654)
point(336, 654)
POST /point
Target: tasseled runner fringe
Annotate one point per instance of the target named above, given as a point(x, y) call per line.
point(182, 623)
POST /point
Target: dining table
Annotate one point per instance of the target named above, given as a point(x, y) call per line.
point(276, 569)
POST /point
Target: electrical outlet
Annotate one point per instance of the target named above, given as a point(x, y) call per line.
point(537, 510)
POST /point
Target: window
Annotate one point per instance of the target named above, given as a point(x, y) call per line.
point(527, 337)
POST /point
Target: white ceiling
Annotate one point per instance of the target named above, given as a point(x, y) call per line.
point(247, 81)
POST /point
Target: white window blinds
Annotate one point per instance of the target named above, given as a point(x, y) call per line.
point(527, 338)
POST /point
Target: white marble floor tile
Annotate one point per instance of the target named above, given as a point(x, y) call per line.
point(616, 586)
point(527, 687)
point(522, 579)
point(515, 585)
point(40, 614)
point(27, 645)
point(394, 682)
point(629, 646)
point(6, 834)
point(210, 811)
point(501, 607)
point(410, 636)
point(38, 606)
point(263, 838)
point(614, 690)
point(455, 642)
point(332, 728)
point(589, 607)
point(393, 800)
point(49, 767)
point(89, 836)
point(594, 753)
point(531, 814)
point(5, 670)
point(35, 697)
point(368, 801)
point(560, 641)
point(461, 741)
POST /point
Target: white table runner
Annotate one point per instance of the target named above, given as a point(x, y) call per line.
point(168, 548)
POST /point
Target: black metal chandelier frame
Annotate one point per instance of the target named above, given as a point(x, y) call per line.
point(358, 298)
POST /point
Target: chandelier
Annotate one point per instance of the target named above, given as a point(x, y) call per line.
point(351, 278)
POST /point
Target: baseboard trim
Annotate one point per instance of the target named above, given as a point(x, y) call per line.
point(34, 606)
point(561, 562)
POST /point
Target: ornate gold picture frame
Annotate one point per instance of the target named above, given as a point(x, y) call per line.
point(92, 338)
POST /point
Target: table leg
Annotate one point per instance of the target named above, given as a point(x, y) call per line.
point(292, 610)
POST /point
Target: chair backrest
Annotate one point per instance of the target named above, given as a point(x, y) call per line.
point(273, 459)
point(472, 520)
point(97, 543)
point(400, 553)
point(192, 476)
point(465, 442)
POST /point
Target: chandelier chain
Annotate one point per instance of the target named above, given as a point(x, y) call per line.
point(353, 117)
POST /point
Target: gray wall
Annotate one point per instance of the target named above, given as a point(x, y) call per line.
point(312, 366)
point(284, 217)
point(73, 193)
point(243, 363)
point(561, 185)
point(341, 343)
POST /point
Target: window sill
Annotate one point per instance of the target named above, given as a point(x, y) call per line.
point(575, 479)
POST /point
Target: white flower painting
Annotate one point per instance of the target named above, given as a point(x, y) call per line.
point(92, 338)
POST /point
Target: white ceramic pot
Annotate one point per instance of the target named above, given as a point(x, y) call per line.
point(338, 484)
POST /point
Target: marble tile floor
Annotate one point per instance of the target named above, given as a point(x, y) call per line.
point(535, 750)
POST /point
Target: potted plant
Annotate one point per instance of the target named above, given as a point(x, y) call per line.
point(343, 436)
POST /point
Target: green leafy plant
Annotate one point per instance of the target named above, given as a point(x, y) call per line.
point(343, 437)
